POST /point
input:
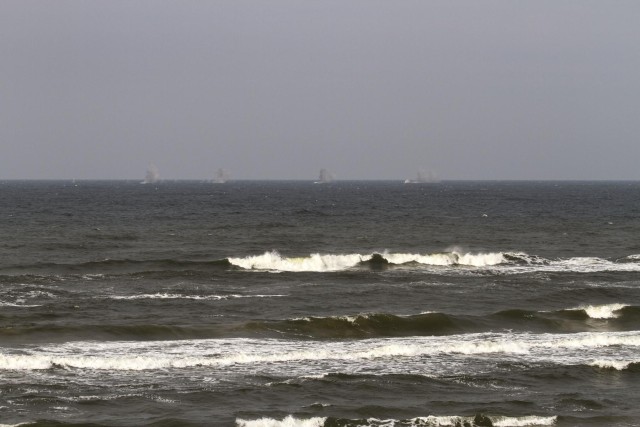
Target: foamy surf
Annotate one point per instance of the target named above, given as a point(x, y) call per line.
point(18, 304)
point(498, 262)
point(188, 297)
point(274, 261)
point(428, 421)
point(522, 319)
point(530, 420)
point(590, 265)
point(618, 365)
point(288, 421)
point(606, 311)
point(448, 258)
point(399, 354)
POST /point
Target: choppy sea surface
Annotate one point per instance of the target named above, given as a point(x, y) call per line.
point(300, 304)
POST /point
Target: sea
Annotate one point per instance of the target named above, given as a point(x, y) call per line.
point(290, 303)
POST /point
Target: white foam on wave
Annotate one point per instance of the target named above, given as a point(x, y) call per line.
point(530, 420)
point(431, 420)
point(437, 421)
point(573, 265)
point(237, 353)
point(591, 265)
point(349, 319)
point(38, 294)
point(90, 398)
point(441, 259)
point(606, 311)
point(18, 304)
point(315, 262)
point(448, 258)
point(481, 260)
point(288, 421)
point(24, 295)
point(169, 296)
point(273, 261)
point(618, 365)
point(595, 340)
point(501, 262)
point(191, 297)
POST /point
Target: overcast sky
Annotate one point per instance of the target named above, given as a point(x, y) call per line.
point(278, 89)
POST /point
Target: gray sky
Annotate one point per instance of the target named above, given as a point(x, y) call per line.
point(278, 89)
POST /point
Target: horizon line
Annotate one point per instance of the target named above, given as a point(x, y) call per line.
point(402, 180)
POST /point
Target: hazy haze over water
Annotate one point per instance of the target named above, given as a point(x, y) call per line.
point(281, 89)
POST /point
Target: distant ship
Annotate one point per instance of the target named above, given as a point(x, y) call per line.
point(325, 177)
point(152, 176)
point(423, 178)
point(221, 177)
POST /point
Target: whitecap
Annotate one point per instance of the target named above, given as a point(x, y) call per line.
point(606, 311)
point(339, 356)
point(530, 420)
point(431, 420)
point(274, 261)
point(315, 262)
point(191, 297)
point(618, 365)
point(288, 421)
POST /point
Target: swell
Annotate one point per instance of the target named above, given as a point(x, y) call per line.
point(498, 262)
point(475, 420)
point(140, 332)
point(368, 325)
point(359, 326)
point(387, 355)
point(164, 422)
point(615, 317)
point(479, 419)
point(340, 327)
point(111, 266)
point(274, 261)
point(442, 262)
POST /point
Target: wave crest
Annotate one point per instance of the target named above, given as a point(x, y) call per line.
point(274, 261)
point(176, 354)
point(618, 365)
point(431, 420)
point(315, 262)
point(607, 311)
point(501, 262)
point(288, 421)
point(368, 325)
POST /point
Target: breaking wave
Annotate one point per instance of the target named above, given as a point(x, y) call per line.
point(500, 262)
point(273, 261)
point(611, 317)
point(618, 365)
point(606, 311)
point(429, 421)
point(165, 295)
point(315, 262)
point(288, 421)
point(229, 354)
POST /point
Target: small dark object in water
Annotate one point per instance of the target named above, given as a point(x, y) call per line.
point(482, 421)
point(377, 261)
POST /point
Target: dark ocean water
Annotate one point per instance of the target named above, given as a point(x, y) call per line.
point(342, 304)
